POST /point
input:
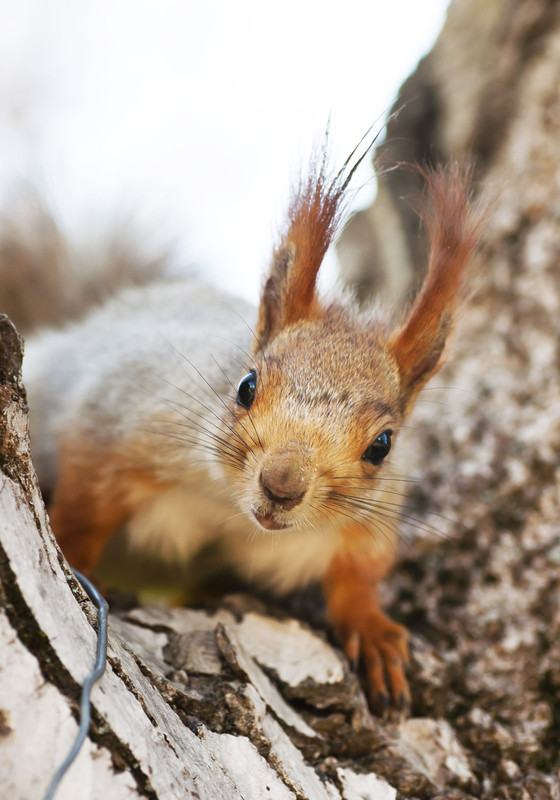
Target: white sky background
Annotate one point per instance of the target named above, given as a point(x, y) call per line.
point(194, 117)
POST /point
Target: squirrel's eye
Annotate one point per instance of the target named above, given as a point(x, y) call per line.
point(378, 449)
point(246, 390)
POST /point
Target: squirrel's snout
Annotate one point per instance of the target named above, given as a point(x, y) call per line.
point(284, 477)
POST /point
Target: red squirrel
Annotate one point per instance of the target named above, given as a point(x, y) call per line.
point(167, 413)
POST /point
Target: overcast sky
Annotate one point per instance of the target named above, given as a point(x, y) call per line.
point(195, 116)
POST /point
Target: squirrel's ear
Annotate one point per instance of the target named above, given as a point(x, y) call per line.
point(290, 292)
point(454, 227)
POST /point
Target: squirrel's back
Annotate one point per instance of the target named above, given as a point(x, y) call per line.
point(172, 344)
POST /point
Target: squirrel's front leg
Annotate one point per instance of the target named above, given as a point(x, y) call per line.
point(365, 632)
point(95, 493)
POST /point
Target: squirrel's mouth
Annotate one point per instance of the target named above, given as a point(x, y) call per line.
point(269, 521)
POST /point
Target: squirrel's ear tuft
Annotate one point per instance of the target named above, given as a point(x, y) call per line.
point(454, 225)
point(314, 216)
point(289, 293)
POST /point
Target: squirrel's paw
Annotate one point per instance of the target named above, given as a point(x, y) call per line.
point(382, 647)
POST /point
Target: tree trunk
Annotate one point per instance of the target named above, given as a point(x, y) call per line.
point(483, 599)
point(248, 703)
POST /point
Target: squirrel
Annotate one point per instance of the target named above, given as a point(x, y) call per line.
point(186, 416)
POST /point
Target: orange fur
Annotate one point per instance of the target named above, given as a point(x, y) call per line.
point(314, 215)
point(94, 495)
point(454, 228)
point(351, 588)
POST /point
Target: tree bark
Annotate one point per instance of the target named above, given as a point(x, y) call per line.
point(483, 598)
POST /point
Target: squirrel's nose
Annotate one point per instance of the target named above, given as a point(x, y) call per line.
point(284, 477)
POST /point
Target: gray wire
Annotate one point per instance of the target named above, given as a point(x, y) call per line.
point(98, 670)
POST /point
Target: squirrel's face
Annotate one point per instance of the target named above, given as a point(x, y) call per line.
point(312, 425)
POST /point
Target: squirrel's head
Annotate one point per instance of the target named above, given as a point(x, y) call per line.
point(310, 430)
point(315, 416)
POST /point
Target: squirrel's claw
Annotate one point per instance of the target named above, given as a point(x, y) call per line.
point(383, 649)
point(385, 653)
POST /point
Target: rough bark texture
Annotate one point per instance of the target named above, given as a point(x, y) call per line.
point(483, 600)
point(243, 701)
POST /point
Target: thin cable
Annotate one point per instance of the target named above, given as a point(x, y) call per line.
point(98, 670)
